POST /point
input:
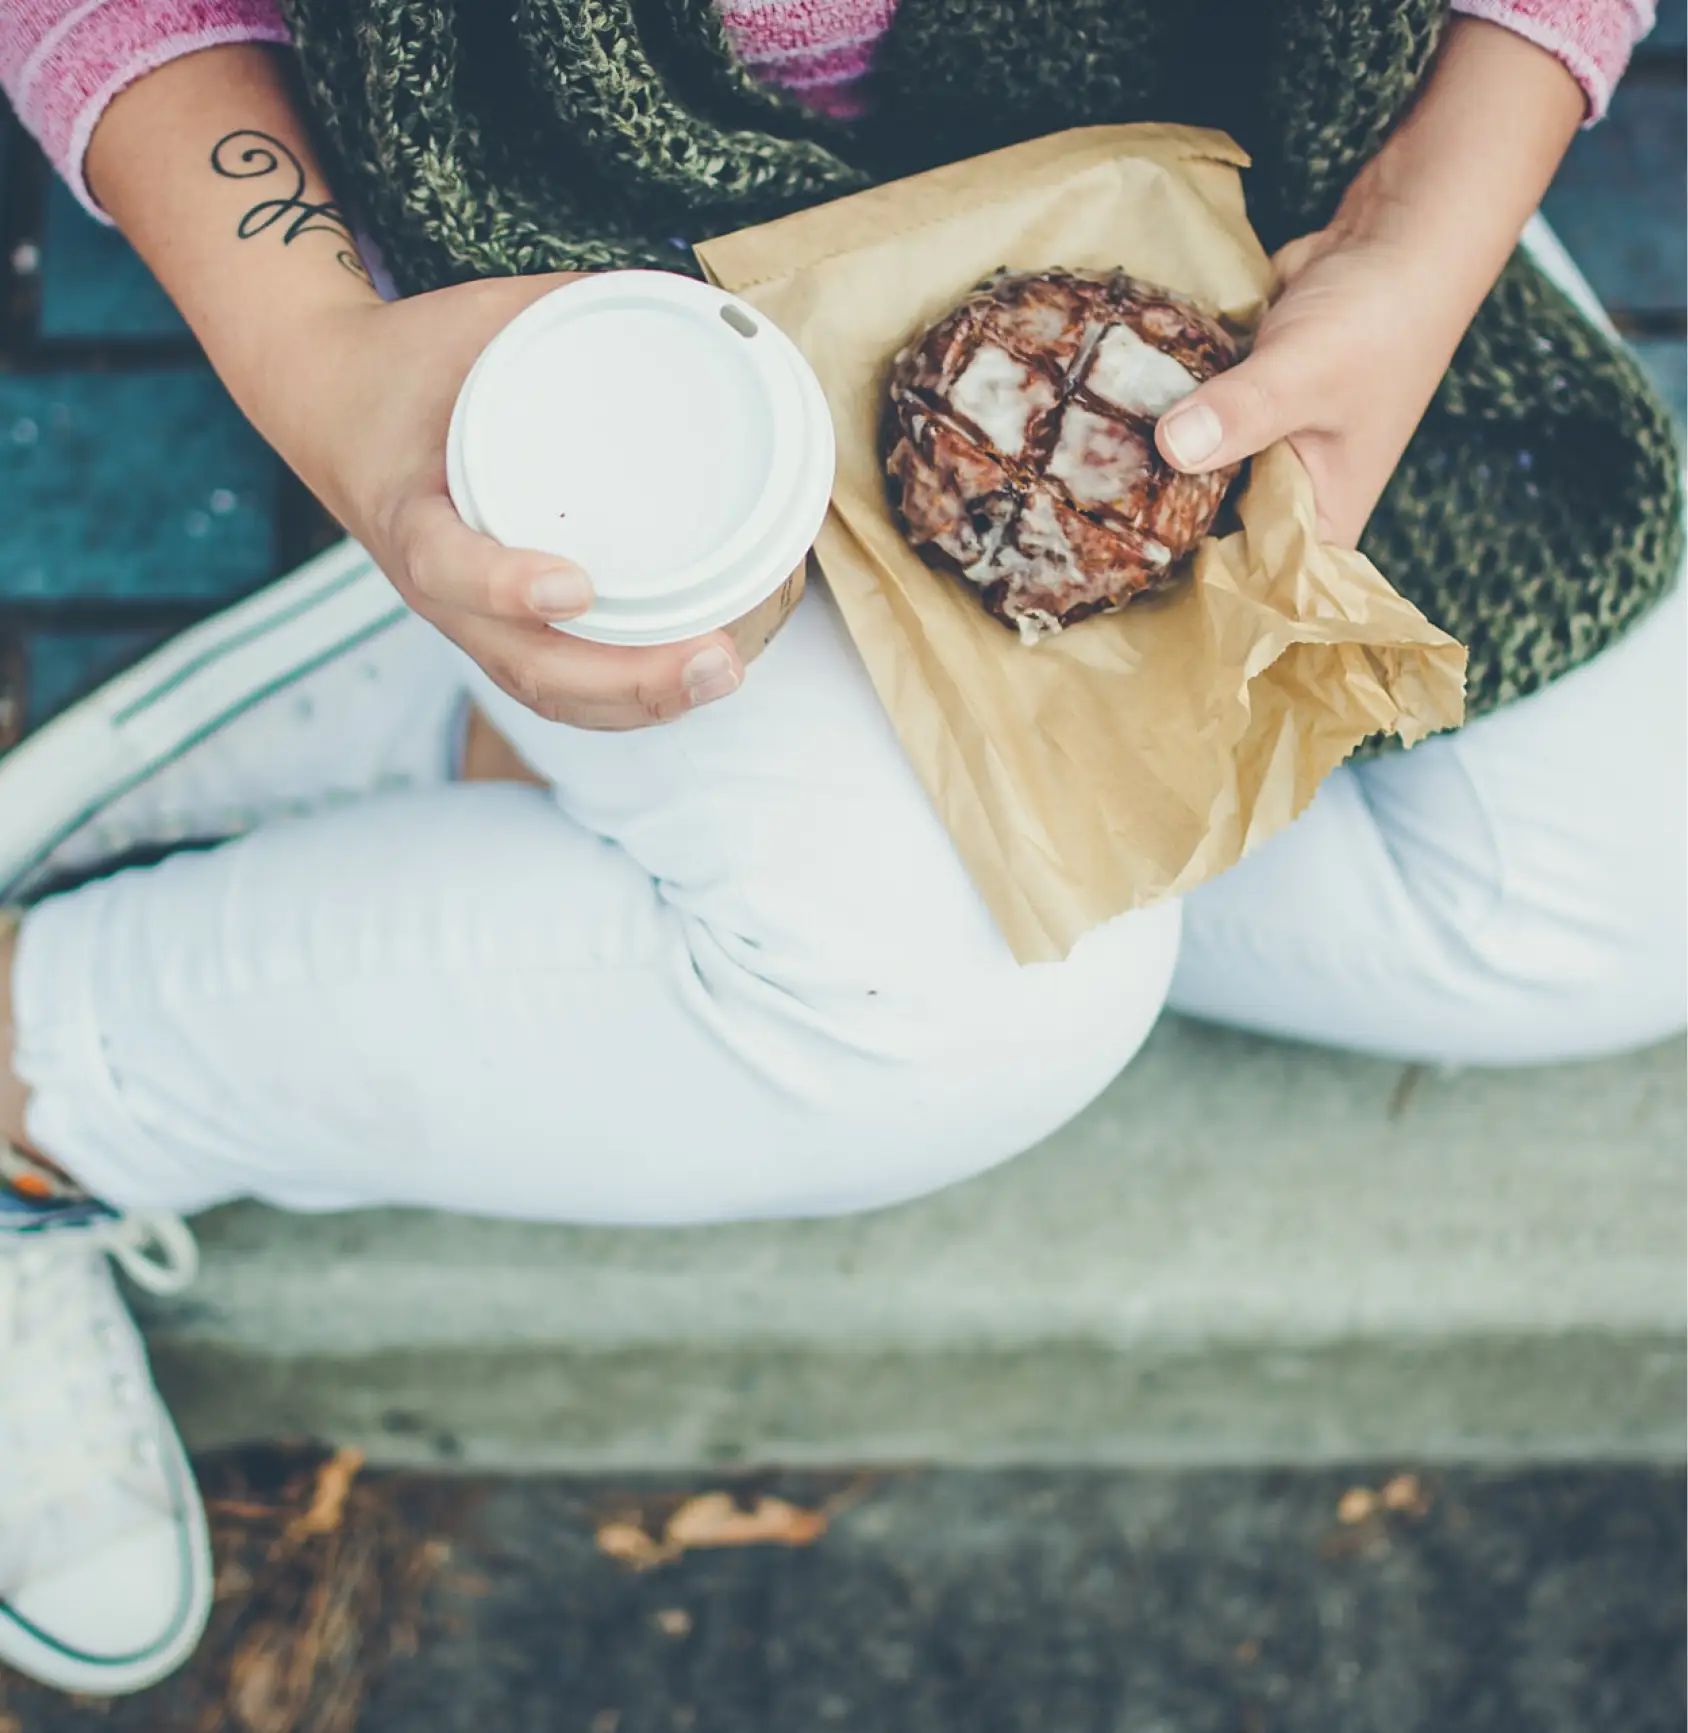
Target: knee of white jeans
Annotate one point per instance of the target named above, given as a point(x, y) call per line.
point(1639, 997)
point(1592, 964)
point(1544, 986)
point(973, 1071)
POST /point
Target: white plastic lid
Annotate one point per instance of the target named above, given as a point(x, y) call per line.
point(657, 431)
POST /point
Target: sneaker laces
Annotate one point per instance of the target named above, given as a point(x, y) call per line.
point(80, 1457)
point(157, 1252)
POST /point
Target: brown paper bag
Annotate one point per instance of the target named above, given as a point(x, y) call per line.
point(1137, 754)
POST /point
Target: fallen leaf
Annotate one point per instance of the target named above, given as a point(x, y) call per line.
point(305, 1625)
point(674, 1622)
point(328, 1503)
point(241, 1510)
point(628, 1543)
point(10, 1724)
point(607, 1721)
point(713, 1519)
point(258, 1689)
point(1248, 1653)
point(1405, 1493)
point(1356, 1504)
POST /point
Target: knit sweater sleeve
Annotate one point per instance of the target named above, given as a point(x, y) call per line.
point(62, 61)
point(1593, 38)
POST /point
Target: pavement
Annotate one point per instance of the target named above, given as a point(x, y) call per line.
point(1342, 1600)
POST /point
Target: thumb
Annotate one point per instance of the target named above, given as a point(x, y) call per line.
point(459, 568)
point(1236, 413)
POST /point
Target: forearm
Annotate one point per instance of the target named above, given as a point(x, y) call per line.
point(206, 167)
point(1454, 185)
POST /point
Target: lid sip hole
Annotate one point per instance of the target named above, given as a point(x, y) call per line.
point(740, 321)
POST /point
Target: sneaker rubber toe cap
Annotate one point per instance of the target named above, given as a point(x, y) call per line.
point(131, 1607)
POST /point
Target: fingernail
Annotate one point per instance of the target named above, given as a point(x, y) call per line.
point(1192, 435)
point(710, 675)
point(561, 594)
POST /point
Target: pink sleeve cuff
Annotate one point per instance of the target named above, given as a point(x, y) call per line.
point(62, 61)
point(1592, 38)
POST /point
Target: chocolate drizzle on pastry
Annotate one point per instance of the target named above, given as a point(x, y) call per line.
point(1019, 438)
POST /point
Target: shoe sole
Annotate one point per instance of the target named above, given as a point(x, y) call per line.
point(61, 777)
point(38, 1656)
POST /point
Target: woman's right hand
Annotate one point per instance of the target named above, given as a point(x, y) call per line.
point(370, 403)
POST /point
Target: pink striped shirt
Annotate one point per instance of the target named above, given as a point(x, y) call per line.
point(819, 50)
point(62, 61)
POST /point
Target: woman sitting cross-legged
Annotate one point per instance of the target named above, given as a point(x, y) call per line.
point(447, 908)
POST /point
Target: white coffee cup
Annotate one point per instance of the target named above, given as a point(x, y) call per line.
point(665, 437)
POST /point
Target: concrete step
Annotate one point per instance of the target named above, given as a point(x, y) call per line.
point(1245, 1252)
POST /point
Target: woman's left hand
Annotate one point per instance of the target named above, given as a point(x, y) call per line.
point(1370, 310)
point(1343, 366)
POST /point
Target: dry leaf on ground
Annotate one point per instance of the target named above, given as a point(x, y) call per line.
point(324, 1583)
point(328, 1503)
point(258, 1690)
point(715, 1519)
point(629, 1544)
point(1356, 1504)
point(1405, 1492)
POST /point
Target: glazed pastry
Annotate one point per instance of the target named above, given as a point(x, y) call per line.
point(1020, 442)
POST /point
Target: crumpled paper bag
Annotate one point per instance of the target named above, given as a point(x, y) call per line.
point(1136, 754)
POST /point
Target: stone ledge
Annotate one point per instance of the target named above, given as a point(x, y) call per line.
point(1245, 1252)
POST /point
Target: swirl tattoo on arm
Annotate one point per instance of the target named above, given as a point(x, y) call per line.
point(253, 155)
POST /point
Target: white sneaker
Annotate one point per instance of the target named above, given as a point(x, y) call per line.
point(105, 1563)
point(321, 686)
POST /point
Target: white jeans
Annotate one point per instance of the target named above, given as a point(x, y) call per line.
point(732, 968)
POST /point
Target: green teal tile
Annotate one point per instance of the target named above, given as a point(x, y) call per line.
point(1617, 202)
point(92, 283)
point(63, 666)
point(131, 487)
point(1671, 31)
point(1666, 359)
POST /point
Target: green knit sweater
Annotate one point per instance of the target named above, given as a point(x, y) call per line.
point(1538, 510)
